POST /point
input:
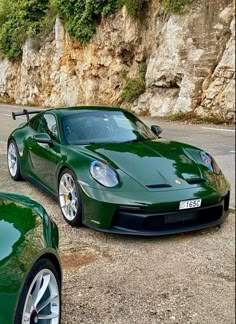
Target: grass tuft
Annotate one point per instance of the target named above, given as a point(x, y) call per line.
point(133, 89)
point(176, 6)
point(193, 117)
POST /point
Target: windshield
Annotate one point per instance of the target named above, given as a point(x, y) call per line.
point(96, 127)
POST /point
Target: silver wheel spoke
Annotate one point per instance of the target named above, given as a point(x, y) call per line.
point(73, 207)
point(37, 289)
point(26, 318)
point(67, 182)
point(45, 303)
point(29, 305)
point(41, 292)
point(65, 190)
point(68, 208)
point(73, 189)
point(47, 317)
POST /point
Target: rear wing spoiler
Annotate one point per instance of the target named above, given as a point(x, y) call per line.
point(26, 113)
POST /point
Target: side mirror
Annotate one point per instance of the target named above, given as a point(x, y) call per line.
point(43, 139)
point(156, 130)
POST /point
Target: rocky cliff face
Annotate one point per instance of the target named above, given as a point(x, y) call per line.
point(189, 58)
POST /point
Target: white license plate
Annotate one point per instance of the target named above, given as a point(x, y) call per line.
point(190, 204)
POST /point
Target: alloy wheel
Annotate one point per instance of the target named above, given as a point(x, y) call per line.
point(68, 197)
point(12, 159)
point(42, 303)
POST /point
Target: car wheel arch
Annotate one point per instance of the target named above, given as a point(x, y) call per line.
point(51, 257)
point(55, 261)
point(61, 170)
point(20, 146)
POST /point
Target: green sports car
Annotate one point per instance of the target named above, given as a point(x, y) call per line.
point(111, 172)
point(30, 272)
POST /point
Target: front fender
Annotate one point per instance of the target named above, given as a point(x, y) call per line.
point(26, 233)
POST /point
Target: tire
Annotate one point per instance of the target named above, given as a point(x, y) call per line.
point(13, 159)
point(69, 197)
point(41, 272)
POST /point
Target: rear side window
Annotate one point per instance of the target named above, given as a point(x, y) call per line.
point(34, 122)
point(45, 123)
point(48, 124)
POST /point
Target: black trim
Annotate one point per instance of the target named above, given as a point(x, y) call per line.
point(195, 181)
point(26, 113)
point(159, 186)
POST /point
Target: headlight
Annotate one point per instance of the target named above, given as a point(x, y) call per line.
point(210, 162)
point(104, 174)
point(206, 159)
point(215, 166)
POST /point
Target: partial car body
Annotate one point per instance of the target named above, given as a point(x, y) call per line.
point(30, 271)
point(112, 173)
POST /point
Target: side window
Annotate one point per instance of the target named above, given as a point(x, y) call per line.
point(48, 125)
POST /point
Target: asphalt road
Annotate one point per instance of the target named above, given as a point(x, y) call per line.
point(111, 279)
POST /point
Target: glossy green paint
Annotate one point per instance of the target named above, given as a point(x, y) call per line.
point(26, 234)
point(138, 164)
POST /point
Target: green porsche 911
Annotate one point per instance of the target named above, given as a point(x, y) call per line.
point(111, 172)
point(30, 272)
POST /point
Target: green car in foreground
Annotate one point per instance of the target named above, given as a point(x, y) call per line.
point(30, 272)
point(111, 172)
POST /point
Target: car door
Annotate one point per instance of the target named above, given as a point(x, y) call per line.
point(44, 158)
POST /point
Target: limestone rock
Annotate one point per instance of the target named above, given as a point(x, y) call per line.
point(218, 99)
point(190, 63)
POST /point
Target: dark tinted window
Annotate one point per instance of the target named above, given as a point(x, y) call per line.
point(34, 122)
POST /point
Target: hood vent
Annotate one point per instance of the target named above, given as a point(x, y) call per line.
point(196, 181)
point(159, 186)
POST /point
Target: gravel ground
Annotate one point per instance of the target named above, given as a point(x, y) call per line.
point(110, 279)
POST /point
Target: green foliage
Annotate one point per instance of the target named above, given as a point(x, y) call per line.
point(133, 89)
point(19, 20)
point(82, 16)
point(192, 117)
point(5, 8)
point(11, 38)
point(176, 6)
point(143, 70)
point(134, 6)
point(111, 7)
point(183, 116)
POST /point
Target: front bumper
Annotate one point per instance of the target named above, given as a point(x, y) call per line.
point(149, 217)
point(152, 224)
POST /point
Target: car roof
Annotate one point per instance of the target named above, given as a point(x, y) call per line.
point(71, 110)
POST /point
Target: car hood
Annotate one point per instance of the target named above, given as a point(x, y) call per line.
point(156, 164)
